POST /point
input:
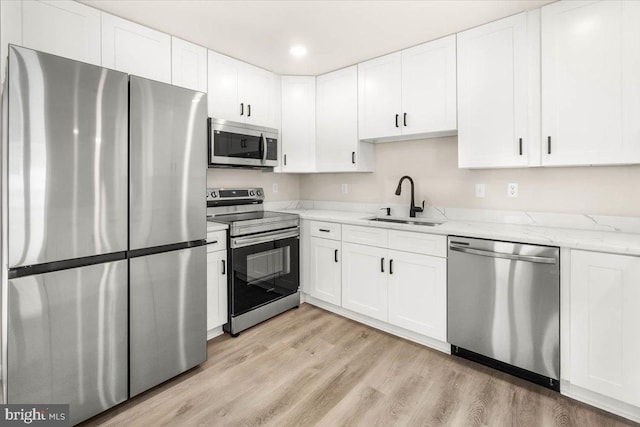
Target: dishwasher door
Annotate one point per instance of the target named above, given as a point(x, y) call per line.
point(504, 304)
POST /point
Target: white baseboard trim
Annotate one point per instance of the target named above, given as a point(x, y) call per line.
point(215, 332)
point(374, 323)
point(599, 401)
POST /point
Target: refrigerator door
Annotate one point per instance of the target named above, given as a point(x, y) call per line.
point(67, 186)
point(67, 338)
point(168, 164)
point(167, 317)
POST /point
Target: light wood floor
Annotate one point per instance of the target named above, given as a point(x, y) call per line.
point(310, 367)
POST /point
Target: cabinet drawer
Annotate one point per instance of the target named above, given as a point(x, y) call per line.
point(365, 235)
point(327, 230)
point(419, 243)
point(216, 240)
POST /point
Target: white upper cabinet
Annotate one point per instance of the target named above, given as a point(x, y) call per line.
point(429, 87)
point(605, 324)
point(591, 83)
point(188, 65)
point(493, 99)
point(337, 146)
point(241, 92)
point(409, 94)
point(135, 49)
point(298, 123)
point(63, 28)
point(380, 97)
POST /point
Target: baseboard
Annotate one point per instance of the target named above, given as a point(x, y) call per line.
point(215, 332)
point(383, 326)
point(599, 401)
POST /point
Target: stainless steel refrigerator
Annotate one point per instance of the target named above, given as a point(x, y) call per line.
point(103, 276)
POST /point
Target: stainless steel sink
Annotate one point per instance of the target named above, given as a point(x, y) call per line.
point(407, 221)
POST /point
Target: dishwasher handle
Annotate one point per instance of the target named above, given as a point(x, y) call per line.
point(492, 254)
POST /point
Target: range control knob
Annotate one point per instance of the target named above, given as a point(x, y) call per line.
point(214, 194)
point(252, 193)
point(259, 193)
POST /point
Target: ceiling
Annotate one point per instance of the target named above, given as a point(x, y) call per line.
point(335, 33)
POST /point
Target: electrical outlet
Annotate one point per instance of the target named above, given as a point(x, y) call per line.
point(344, 188)
point(512, 189)
point(479, 190)
point(275, 187)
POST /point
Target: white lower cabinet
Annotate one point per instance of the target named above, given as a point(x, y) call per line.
point(417, 293)
point(605, 324)
point(364, 280)
point(326, 280)
point(216, 289)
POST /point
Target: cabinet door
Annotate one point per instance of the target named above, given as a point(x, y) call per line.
point(135, 49)
point(492, 94)
point(325, 270)
point(63, 28)
point(257, 91)
point(337, 145)
point(223, 82)
point(418, 293)
point(605, 324)
point(591, 83)
point(364, 280)
point(216, 289)
point(188, 65)
point(298, 123)
point(429, 87)
point(379, 97)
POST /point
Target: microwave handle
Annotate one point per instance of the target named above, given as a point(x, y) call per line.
point(264, 148)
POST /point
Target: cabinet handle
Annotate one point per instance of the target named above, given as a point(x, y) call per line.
point(404, 119)
point(353, 157)
point(324, 230)
point(548, 145)
point(249, 110)
point(520, 145)
point(224, 267)
point(242, 108)
point(397, 116)
point(285, 160)
point(390, 266)
point(335, 256)
point(382, 265)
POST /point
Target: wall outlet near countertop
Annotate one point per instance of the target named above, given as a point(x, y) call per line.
point(480, 190)
point(275, 187)
point(344, 188)
point(512, 189)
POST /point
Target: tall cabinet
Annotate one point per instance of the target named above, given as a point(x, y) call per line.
point(298, 134)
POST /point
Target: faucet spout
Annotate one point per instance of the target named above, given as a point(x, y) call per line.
point(413, 208)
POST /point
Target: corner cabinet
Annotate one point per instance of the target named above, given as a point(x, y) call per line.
point(241, 92)
point(605, 325)
point(188, 65)
point(134, 49)
point(338, 148)
point(409, 94)
point(298, 134)
point(591, 83)
point(497, 92)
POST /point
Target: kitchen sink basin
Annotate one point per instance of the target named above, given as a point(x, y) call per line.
point(407, 221)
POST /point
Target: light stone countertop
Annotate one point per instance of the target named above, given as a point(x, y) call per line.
point(601, 241)
point(215, 226)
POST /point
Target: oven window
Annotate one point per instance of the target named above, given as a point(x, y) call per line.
point(268, 265)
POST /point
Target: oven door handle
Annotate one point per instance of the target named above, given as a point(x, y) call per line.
point(241, 242)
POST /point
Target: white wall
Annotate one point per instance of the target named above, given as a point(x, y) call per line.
point(433, 166)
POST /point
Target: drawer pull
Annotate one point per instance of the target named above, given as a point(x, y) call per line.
point(212, 243)
point(324, 230)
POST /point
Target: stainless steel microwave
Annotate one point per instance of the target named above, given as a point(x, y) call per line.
point(242, 145)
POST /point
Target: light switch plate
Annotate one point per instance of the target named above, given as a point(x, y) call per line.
point(512, 189)
point(480, 190)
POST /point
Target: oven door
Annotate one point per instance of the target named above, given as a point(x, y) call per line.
point(242, 147)
point(263, 272)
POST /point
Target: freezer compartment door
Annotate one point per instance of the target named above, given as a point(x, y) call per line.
point(67, 338)
point(168, 316)
point(168, 164)
point(67, 186)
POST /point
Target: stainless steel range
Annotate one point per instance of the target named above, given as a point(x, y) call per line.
point(264, 260)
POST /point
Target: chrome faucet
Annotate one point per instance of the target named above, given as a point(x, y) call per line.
point(413, 208)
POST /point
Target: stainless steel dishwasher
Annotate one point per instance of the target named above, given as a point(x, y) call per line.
point(504, 307)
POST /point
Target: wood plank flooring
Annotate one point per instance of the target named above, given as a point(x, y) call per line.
point(310, 367)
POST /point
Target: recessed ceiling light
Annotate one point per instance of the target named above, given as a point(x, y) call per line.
point(298, 51)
